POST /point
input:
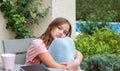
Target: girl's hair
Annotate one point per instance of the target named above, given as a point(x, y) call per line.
point(46, 36)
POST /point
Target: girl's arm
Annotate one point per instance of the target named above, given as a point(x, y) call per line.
point(48, 60)
point(79, 58)
point(74, 64)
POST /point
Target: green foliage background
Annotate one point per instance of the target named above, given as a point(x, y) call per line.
point(19, 15)
point(87, 9)
point(102, 41)
point(99, 45)
point(97, 38)
point(104, 62)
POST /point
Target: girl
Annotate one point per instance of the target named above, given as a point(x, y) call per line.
point(38, 50)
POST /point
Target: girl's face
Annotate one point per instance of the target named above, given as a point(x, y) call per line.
point(60, 31)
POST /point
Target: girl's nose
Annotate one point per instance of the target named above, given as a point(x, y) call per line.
point(61, 32)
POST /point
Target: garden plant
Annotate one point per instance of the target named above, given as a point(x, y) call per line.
point(21, 14)
point(99, 44)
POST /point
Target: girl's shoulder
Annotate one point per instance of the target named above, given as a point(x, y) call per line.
point(37, 41)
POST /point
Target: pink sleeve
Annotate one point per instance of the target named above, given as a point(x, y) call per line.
point(36, 47)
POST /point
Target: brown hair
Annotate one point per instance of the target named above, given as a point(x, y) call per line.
point(46, 36)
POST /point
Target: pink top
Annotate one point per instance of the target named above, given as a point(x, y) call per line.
point(36, 47)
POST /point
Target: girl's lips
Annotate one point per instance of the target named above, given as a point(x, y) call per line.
point(58, 36)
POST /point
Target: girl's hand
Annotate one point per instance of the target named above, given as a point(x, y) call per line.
point(79, 70)
point(70, 65)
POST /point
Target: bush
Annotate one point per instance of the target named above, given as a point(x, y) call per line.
point(102, 41)
point(89, 26)
point(104, 9)
point(101, 63)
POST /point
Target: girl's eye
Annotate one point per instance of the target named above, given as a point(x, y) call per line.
point(65, 32)
point(60, 28)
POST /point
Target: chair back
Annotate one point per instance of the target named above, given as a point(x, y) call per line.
point(17, 46)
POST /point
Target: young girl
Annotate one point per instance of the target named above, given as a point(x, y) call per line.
point(40, 49)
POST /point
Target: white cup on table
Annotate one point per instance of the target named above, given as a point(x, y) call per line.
point(8, 61)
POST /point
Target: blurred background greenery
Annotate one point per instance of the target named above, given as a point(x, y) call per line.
point(99, 44)
point(86, 9)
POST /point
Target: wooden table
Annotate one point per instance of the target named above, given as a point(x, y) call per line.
point(17, 68)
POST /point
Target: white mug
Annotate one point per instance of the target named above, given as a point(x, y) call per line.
point(8, 61)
